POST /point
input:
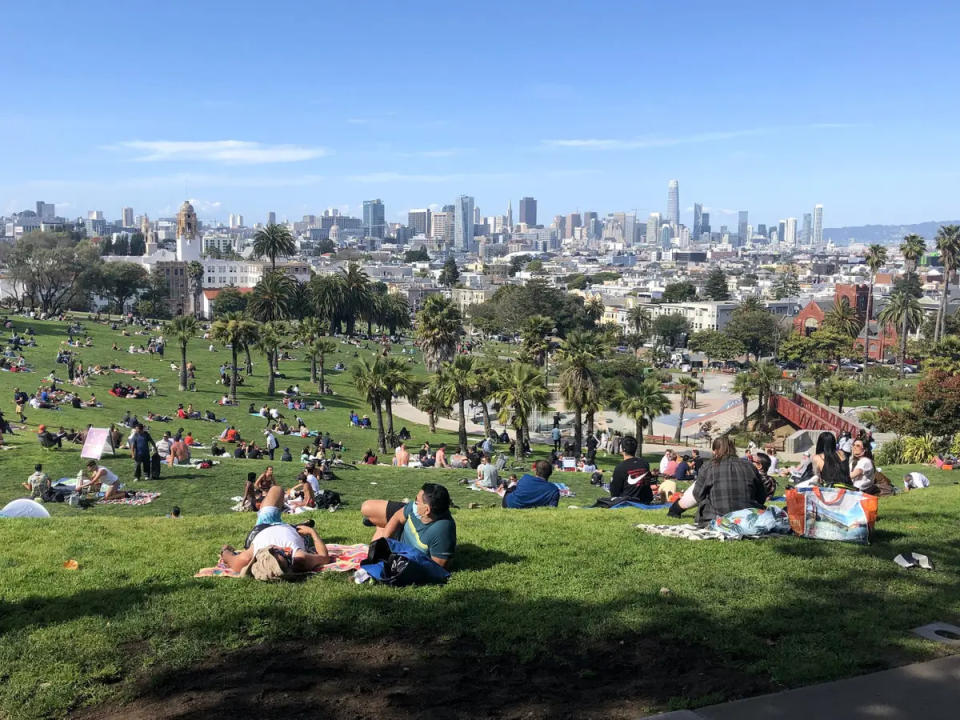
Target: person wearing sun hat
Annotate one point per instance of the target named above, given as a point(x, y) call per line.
point(275, 550)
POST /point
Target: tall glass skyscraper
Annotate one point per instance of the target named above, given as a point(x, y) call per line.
point(697, 221)
point(373, 218)
point(463, 222)
point(528, 211)
point(742, 231)
point(818, 224)
point(807, 231)
point(653, 229)
point(673, 203)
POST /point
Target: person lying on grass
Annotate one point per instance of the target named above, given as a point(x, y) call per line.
point(424, 523)
point(102, 477)
point(276, 549)
point(534, 490)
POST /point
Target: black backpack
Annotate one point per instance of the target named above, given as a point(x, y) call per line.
point(327, 499)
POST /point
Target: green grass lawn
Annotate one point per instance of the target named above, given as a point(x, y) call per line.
point(549, 613)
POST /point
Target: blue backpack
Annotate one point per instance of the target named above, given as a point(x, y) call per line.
point(395, 563)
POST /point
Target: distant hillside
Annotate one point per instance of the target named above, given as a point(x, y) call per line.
point(884, 234)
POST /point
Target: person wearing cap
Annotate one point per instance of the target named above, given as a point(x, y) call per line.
point(275, 549)
point(47, 438)
point(424, 523)
point(631, 477)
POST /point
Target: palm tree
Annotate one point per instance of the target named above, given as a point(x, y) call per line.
point(843, 318)
point(485, 382)
point(455, 381)
point(395, 313)
point(687, 388)
point(273, 297)
point(195, 273)
point(818, 372)
point(533, 338)
point(912, 248)
point(439, 326)
point(765, 376)
point(368, 379)
point(236, 330)
point(182, 329)
point(948, 243)
point(646, 401)
point(273, 241)
point(579, 380)
point(328, 293)
point(319, 349)
point(398, 381)
point(521, 389)
point(356, 285)
point(640, 320)
point(876, 257)
point(743, 386)
point(269, 340)
point(902, 310)
point(308, 332)
point(839, 389)
point(594, 309)
point(432, 402)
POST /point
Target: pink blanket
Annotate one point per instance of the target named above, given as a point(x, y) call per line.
point(343, 557)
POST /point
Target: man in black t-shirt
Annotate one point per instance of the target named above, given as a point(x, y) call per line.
point(631, 477)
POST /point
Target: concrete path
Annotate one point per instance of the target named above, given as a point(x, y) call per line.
point(929, 690)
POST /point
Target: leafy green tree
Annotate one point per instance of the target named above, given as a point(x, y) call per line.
point(577, 281)
point(876, 257)
point(520, 390)
point(450, 273)
point(456, 378)
point(818, 372)
point(229, 300)
point(439, 327)
point(272, 298)
point(756, 329)
point(671, 328)
point(153, 299)
point(137, 245)
point(368, 378)
point(52, 271)
point(421, 255)
point(238, 332)
point(644, 402)
point(534, 266)
point(948, 243)
point(326, 247)
point(715, 286)
point(121, 246)
point(534, 345)
point(181, 330)
point(272, 242)
point(679, 292)
point(945, 356)
point(122, 281)
point(786, 285)
point(716, 345)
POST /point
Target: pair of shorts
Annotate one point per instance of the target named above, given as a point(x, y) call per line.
point(269, 515)
point(392, 507)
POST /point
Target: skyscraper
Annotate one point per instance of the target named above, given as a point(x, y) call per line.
point(818, 224)
point(510, 216)
point(653, 229)
point(126, 217)
point(742, 232)
point(697, 221)
point(781, 231)
point(666, 237)
point(528, 211)
point(790, 238)
point(807, 231)
point(591, 224)
point(271, 218)
point(419, 221)
point(573, 222)
point(673, 203)
point(705, 223)
point(45, 210)
point(441, 225)
point(373, 218)
point(463, 223)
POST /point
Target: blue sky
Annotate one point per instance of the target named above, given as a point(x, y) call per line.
point(294, 107)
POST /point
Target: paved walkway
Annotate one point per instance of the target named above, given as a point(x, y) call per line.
point(929, 690)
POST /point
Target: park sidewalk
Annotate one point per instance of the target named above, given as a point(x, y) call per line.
point(928, 690)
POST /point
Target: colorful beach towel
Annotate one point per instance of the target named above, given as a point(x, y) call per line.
point(345, 558)
point(125, 372)
point(141, 497)
point(687, 532)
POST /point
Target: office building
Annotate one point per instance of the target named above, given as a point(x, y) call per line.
point(743, 234)
point(573, 222)
point(653, 229)
point(673, 203)
point(790, 236)
point(697, 221)
point(374, 218)
point(510, 216)
point(45, 211)
point(818, 224)
point(807, 232)
point(463, 223)
point(95, 215)
point(126, 217)
point(271, 218)
point(705, 223)
point(666, 237)
point(781, 230)
point(762, 230)
point(418, 221)
point(528, 211)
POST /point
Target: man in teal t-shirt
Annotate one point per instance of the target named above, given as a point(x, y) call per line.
point(424, 523)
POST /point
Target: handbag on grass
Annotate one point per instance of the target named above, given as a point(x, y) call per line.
point(832, 514)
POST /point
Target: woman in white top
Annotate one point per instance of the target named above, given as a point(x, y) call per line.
point(915, 481)
point(862, 470)
point(104, 477)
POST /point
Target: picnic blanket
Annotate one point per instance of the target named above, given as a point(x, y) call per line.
point(687, 532)
point(565, 491)
point(748, 523)
point(141, 497)
point(344, 557)
point(124, 372)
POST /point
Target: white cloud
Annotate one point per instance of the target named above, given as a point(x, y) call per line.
point(222, 151)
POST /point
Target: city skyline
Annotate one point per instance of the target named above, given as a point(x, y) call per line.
point(602, 134)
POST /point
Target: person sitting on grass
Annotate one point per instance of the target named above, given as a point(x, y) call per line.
point(424, 523)
point(487, 475)
point(286, 456)
point(401, 456)
point(631, 479)
point(369, 458)
point(48, 439)
point(862, 470)
point(762, 463)
point(102, 477)
point(276, 549)
point(534, 490)
point(179, 453)
point(725, 484)
point(38, 483)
